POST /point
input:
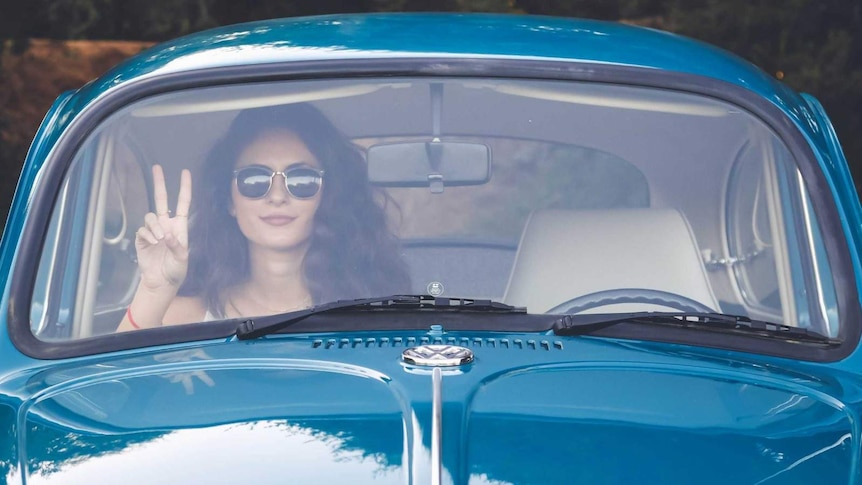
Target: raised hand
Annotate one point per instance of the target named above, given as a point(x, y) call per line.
point(162, 243)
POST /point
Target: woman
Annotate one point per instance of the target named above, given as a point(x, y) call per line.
point(283, 218)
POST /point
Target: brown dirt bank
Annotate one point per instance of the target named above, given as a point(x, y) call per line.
point(30, 82)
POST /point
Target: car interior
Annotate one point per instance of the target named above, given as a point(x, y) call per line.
point(689, 202)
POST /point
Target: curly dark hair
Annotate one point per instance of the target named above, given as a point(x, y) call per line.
point(352, 253)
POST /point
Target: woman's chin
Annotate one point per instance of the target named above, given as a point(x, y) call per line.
point(283, 245)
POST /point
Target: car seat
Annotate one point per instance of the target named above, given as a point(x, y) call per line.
point(564, 254)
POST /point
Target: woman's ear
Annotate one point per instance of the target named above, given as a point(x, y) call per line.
point(231, 210)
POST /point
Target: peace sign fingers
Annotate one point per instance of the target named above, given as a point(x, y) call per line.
point(162, 243)
point(184, 201)
point(160, 193)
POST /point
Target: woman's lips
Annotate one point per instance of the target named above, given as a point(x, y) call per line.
point(277, 220)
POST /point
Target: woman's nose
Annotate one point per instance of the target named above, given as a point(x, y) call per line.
point(278, 193)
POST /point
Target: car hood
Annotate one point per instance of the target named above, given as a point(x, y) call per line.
point(527, 410)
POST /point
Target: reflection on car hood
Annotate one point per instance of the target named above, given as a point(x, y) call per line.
point(527, 410)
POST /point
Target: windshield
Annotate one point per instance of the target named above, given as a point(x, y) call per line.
point(561, 197)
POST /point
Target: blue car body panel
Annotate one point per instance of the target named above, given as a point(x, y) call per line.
point(630, 412)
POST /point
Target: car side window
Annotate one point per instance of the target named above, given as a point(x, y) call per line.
point(88, 265)
point(125, 197)
point(774, 243)
point(54, 296)
point(750, 245)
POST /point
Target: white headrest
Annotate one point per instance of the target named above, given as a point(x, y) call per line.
point(565, 254)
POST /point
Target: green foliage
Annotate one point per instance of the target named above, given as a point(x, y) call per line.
point(605, 10)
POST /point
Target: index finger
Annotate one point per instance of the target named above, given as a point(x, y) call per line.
point(184, 200)
point(160, 193)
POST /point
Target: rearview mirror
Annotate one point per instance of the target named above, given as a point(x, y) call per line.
point(435, 164)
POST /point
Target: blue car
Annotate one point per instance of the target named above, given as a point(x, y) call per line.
point(432, 249)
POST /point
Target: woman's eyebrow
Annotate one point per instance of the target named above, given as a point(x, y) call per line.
point(241, 164)
point(301, 163)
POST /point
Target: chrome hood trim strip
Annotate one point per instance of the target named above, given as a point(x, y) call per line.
point(436, 425)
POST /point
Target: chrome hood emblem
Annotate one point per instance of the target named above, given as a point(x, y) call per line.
point(437, 355)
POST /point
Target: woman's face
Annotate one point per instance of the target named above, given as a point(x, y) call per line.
point(277, 220)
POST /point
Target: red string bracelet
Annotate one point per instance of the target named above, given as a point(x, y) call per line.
point(129, 316)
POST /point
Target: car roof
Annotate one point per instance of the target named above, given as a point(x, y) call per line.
point(394, 35)
point(581, 47)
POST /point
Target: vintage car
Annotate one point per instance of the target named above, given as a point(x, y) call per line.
point(440, 249)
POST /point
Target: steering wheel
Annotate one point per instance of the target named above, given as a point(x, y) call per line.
point(630, 295)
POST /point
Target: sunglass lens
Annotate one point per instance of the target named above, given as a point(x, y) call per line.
point(253, 182)
point(303, 183)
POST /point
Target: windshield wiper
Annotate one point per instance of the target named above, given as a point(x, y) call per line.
point(721, 322)
point(258, 327)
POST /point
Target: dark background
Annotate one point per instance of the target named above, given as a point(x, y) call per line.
point(814, 46)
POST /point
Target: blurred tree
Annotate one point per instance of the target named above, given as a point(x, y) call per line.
point(14, 25)
point(109, 19)
point(604, 10)
point(498, 6)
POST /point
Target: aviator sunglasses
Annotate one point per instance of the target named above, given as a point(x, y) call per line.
point(254, 181)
